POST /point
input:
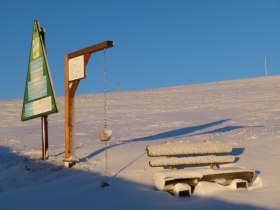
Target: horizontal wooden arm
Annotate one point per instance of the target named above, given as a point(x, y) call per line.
point(91, 49)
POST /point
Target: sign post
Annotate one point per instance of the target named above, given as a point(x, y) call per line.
point(39, 96)
point(44, 119)
point(45, 141)
point(75, 70)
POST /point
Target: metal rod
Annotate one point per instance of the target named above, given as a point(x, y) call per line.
point(265, 65)
point(44, 119)
point(45, 141)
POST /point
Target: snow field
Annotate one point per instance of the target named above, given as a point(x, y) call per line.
point(243, 113)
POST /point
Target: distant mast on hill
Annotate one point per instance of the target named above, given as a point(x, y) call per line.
point(265, 65)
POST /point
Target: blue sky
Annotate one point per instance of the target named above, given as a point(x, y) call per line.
point(158, 43)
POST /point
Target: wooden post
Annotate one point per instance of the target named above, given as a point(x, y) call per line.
point(45, 143)
point(70, 89)
point(67, 107)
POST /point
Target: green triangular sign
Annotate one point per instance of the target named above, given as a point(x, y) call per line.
point(39, 96)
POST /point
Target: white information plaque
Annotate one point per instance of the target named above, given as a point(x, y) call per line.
point(76, 68)
point(38, 107)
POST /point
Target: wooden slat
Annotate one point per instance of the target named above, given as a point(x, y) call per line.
point(191, 161)
point(182, 148)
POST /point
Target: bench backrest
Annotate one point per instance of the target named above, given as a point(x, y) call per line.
point(182, 148)
point(205, 153)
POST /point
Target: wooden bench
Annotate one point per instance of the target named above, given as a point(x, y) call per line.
point(204, 161)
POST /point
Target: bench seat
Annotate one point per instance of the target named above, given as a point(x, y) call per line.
point(167, 179)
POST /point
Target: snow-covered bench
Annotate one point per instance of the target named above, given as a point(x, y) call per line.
point(204, 161)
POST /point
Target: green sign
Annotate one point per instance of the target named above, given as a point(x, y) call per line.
point(39, 97)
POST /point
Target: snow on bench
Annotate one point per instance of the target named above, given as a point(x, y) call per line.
point(195, 154)
point(183, 148)
point(207, 154)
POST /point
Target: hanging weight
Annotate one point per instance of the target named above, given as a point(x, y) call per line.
point(105, 135)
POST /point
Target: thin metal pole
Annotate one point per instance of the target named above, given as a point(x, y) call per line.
point(45, 141)
point(265, 65)
point(44, 119)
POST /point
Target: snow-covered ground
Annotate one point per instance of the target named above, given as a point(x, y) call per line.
point(244, 113)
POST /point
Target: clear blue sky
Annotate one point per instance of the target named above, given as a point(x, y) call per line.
point(158, 43)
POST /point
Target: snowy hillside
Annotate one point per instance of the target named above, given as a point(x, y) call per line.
point(244, 113)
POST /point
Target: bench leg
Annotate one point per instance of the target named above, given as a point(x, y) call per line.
point(182, 190)
point(241, 184)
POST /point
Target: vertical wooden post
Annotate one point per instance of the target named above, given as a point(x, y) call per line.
point(70, 89)
point(45, 143)
point(66, 108)
point(72, 127)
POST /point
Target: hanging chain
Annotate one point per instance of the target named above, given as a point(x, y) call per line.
point(105, 111)
point(106, 161)
point(105, 88)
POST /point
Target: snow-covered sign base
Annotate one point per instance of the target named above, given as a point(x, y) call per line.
point(68, 163)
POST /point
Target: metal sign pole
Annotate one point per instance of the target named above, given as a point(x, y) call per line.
point(45, 141)
point(44, 119)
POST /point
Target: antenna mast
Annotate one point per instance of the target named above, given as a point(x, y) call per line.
point(265, 65)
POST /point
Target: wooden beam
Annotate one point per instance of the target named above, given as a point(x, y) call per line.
point(91, 49)
point(66, 102)
point(74, 87)
point(87, 57)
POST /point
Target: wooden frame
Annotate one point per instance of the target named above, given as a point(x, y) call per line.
point(70, 89)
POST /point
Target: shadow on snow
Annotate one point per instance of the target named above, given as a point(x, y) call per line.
point(187, 132)
point(32, 183)
point(178, 132)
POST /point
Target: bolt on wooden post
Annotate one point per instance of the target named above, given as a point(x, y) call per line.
point(74, 70)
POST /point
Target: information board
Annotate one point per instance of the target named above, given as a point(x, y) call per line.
point(76, 68)
point(39, 97)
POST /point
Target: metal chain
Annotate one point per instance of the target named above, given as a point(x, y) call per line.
point(106, 161)
point(105, 88)
point(105, 112)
